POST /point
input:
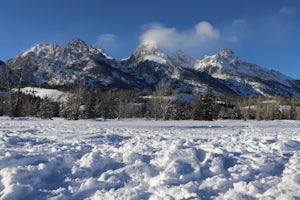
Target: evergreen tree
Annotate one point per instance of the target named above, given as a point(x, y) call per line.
point(209, 105)
point(106, 104)
point(71, 108)
point(45, 109)
point(89, 106)
point(177, 111)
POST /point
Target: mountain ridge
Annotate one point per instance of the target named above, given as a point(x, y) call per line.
point(146, 67)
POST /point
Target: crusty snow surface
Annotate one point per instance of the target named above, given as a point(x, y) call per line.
point(140, 159)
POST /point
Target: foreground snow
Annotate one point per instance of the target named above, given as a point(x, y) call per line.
point(137, 159)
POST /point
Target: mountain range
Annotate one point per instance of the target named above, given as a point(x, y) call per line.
point(51, 65)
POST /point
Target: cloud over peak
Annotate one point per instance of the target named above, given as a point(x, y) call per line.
point(173, 39)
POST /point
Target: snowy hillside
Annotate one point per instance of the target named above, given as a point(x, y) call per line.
point(52, 94)
point(139, 159)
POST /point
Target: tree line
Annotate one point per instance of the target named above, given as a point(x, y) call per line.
point(87, 103)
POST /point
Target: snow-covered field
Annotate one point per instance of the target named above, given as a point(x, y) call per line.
point(139, 159)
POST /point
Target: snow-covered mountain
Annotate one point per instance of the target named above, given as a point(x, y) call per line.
point(149, 64)
point(76, 63)
point(247, 78)
point(146, 67)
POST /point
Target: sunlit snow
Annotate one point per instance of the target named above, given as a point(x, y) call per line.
point(155, 58)
point(52, 94)
point(146, 159)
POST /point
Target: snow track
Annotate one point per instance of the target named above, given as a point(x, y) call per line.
point(137, 159)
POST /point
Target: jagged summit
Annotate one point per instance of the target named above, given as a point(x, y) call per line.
point(228, 55)
point(224, 59)
point(246, 78)
point(147, 47)
point(181, 59)
point(76, 42)
point(77, 45)
point(226, 52)
point(42, 49)
point(149, 50)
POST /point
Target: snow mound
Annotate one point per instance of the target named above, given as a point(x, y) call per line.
point(138, 159)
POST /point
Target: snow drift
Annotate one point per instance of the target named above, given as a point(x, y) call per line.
point(137, 159)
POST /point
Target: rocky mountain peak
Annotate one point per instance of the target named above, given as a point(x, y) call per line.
point(2, 63)
point(147, 47)
point(179, 58)
point(150, 45)
point(77, 45)
point(228, 55)
point(149, 50)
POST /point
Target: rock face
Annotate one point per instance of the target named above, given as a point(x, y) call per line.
point(247, 78)
point(79, 63)
point(76, 63)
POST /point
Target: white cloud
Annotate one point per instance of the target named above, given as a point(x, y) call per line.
point(164, 36)
point(287, 10)
point(172, 39)
point(232, 39)
point(205, 30)
point(239, 22)
point(108, 42)
point(106, 38)
point(236, 30)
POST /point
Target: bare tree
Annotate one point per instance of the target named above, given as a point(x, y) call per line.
point(12, 78)
point(160, 101)
point(197, 106)
point(293, 110)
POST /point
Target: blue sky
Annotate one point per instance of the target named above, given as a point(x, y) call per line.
point(265, 32)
